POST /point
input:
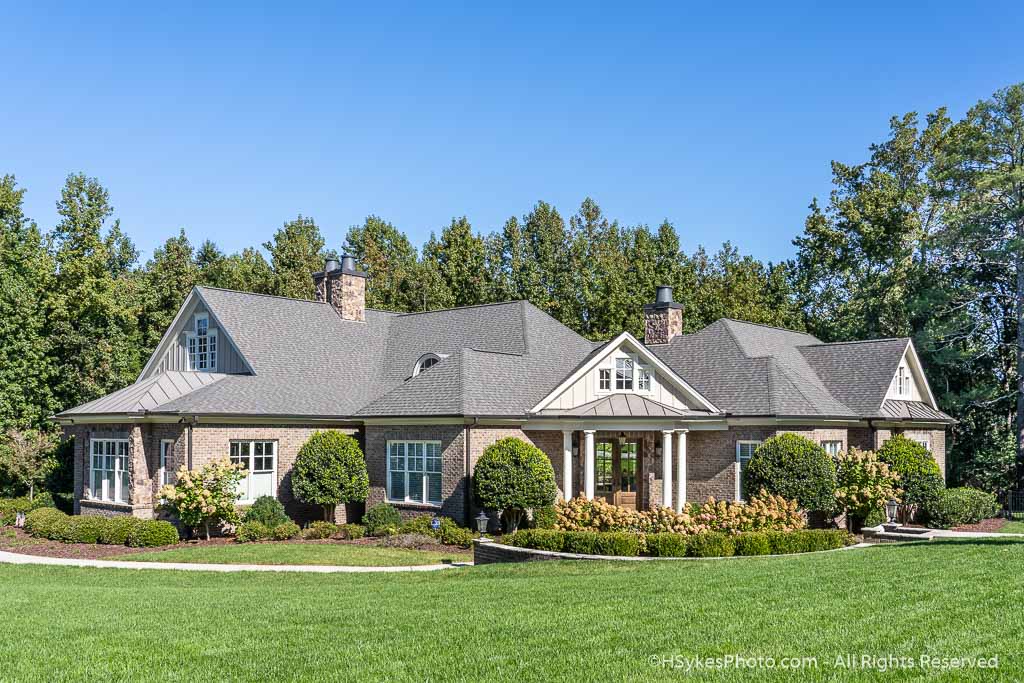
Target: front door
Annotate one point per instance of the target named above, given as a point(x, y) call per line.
point(616, 467)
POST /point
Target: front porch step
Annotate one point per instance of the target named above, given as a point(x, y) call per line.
point(902, 534)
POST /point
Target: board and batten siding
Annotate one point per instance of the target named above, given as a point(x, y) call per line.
point(175, 356)
point(917, 392)
point(585, 389)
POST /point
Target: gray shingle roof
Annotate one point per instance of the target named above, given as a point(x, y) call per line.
point(497, 360)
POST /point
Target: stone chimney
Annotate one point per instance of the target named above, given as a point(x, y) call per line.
point(342, 286)
point(663, 320)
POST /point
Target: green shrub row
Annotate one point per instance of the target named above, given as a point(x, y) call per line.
point(382, 520)
point(52, 524)
point(320, 530)
point(707, 544)
point(10, 507)
point(250, 532)
point(959, 506)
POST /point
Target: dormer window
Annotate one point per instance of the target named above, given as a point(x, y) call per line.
point(425, 362)
point(624, 374)
point(902, 381)
point(604, 377)
point(202, 345)
point(643, 379)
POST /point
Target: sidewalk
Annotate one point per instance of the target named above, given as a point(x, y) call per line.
point(18, 558)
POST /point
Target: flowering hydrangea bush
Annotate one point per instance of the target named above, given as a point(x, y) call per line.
point(761, 513)
point(865, 484)
point(205, 497)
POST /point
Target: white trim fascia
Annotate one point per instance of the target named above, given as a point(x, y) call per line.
point(804, 421)
point(173, 418)
point(910, 424)
point(641, 351)
point(918, 370)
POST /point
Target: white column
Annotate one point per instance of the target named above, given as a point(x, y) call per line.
point(680, 469)
point(666, 470)
point(567, 464)
point(589, 464)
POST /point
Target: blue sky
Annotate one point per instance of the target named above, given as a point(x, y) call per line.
point(721, 117)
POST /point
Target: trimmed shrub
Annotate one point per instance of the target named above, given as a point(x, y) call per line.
point(539, 539)
point(48, 523)
point(320, 530)
point(581, 542)
point(453, 534)
point(267, 510)
point(10, 507)
point(449, 533)
point(513, 476)
point(544, 517)
point(807, 541)
point(794, 467)
point(251, 532)
point(956, 507)
point(753, 543)
point(618, 544)
point(85, 529)
point(382, 520)
point(285, 531)
point(351, 531)
point(153, 533)
point(666, 545)
point(920, 477)
point(116, 530)
point(710, 544)
point(330, 470)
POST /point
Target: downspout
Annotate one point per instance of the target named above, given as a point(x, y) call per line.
point(468, 503)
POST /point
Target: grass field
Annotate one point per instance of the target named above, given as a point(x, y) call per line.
point(300, 553)
point(1014, 527)
point(529, 622)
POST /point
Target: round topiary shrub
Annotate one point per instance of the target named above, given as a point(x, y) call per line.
point(920, 477)
point(267, 510)
point(285, 531)
point(382, 520)
point(330, 470)
point(251, 532)
point(320, 530)
point(796, 468)
point(153, 533)
point(512, 476)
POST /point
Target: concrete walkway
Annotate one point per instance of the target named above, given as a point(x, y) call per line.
point(18, 558)
point(949, 533)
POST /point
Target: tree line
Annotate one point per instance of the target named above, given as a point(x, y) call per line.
point(924, 238)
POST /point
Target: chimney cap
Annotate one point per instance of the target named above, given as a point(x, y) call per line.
point(330, 264)
point(664, 294)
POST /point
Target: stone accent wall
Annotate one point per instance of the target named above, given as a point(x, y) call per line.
point(454, 485)
point(344, 290)
point(662, 323)
point(140, 501)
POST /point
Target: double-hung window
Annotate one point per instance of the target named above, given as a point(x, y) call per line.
point(259, 460)
point(604, 376)
point(166, 450)
point(902, 382)
point(643, 381)
point(833, 448)
point(923, 440)
point(108, 470)
point(414, 472)
point(744, 452)
point(202, 346)
point(624, 374)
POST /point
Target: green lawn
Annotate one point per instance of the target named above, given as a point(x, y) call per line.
point(540, 621)
point(299, 553)
point(1012, 527)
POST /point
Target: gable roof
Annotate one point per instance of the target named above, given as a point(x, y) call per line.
point(858, 373)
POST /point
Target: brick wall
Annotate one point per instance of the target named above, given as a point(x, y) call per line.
point(454, 486)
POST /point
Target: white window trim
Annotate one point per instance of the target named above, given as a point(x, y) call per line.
point(739, 483)
point(166, 450)
point(611, 366)
point(827, 441)
point(119, 472)
point(211, 343)
point(923, 440)
point(247, 497)
point(426, 488)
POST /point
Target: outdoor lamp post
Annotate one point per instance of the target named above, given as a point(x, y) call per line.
point(890, 511)
point(481, 523)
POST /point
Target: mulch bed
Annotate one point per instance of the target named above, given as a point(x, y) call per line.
point(15, 540)
point(989, 525)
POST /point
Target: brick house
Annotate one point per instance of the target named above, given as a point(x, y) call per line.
point(671, 419)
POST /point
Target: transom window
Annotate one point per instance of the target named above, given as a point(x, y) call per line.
point(109, 475)
point(623, 373)
point(202, 346)
point(259, 459)
point(414, 472)
point(744, 452)
point(833, 448)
